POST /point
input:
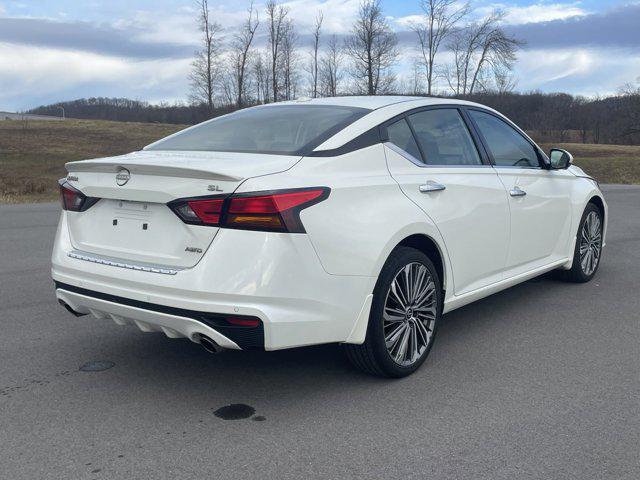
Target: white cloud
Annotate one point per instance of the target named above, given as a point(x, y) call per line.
point(408, 21)
point(146, 26)
point(535, 13)
point(179, 27)
point(540, 67)
point(338, 14)
point(581, 71)
point(30, 73)
point(538, 12)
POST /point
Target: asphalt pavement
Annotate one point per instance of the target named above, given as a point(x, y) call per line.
point(540, 381)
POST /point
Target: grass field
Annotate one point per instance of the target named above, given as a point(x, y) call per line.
point(606, 163)
point(33, 153)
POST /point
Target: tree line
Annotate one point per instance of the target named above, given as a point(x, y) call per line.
point(232, 71)
point(548, 117)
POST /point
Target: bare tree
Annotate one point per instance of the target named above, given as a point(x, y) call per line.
point(277, 18)
point(454, 72)
point(262, 77)
point(441, 18)
point(372, 47)
point(206, 65)
point(315, 59)
point(240, 52)
point(504, 79)
point(415, 81)
point(289, 60)
point(227, 87)
point(480, 49)
point(331, 68)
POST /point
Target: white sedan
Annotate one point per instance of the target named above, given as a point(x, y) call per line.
point(357, 220)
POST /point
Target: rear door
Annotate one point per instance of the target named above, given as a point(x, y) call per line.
point(539, 199)
point(433, 157)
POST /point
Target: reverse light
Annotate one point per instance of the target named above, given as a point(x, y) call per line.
point(73, 199)
point(275, 211)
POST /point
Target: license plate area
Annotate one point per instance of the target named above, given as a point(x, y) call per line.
point(140, 231)
point(132, 216)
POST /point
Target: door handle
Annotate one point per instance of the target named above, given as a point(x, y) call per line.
point(517, 192)
point(431, 186)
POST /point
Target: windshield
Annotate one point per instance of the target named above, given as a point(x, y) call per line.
point(275, 129)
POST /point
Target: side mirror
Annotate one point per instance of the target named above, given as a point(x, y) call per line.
point(560, 159)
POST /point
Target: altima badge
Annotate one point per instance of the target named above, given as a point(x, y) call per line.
point(123, 176)
point(193, 250)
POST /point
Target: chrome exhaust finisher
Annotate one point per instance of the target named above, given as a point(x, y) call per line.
point(69, 309)
point(209, 345)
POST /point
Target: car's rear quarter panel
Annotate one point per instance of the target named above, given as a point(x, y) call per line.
point(365, 217)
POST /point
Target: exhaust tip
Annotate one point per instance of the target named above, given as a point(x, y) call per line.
point(69, 309)
point(209, 345)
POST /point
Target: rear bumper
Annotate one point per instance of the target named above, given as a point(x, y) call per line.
point(148, 317)
point(275, 277)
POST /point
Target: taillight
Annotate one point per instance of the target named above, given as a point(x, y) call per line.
point(73, 199)
point(276, 211)
point(200, 212)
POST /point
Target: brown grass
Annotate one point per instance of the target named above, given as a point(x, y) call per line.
point(33, 153)
point(606, 163)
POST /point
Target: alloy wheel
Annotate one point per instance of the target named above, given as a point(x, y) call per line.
point(409, 314)
point(590, 243)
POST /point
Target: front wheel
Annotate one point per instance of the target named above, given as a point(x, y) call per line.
point(588, 250)
point(405, 313)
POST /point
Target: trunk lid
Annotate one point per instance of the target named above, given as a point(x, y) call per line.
point(132, 221)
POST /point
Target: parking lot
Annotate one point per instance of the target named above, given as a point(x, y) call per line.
point(539, 381)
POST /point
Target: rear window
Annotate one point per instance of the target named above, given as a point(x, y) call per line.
point(275, 129)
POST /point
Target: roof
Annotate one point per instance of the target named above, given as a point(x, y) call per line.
point(375, 102)
point(383, 108)
point(369, 102)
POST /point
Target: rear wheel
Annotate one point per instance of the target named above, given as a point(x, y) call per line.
point(588, 250)
point(404, 316)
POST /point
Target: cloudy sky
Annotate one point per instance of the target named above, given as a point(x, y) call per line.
point(54, 50)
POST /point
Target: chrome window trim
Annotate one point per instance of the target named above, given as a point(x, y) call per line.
point(141, 267)
point(519, 167)
point(420, 164)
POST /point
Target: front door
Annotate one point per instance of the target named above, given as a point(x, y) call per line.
point(433, 157)
point(539, 199)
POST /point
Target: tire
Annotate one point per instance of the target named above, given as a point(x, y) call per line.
point(373, 356)
point(579, 272)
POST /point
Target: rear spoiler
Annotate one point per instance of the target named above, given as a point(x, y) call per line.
point(147, 169)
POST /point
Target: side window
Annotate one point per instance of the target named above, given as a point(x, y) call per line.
point(444, 138)
point(401, 136)
point(508, 147)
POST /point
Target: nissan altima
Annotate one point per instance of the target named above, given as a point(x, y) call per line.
point(351, 220)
